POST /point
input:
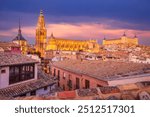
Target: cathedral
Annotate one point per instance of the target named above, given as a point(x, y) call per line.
point(123, 40)
point(72, 45)
point(57, 44)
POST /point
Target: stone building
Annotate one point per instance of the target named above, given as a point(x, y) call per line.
point(21, 41)
point(91, 74)
point(20, 76)
point(123, 40)
point(72, 45)
point(44, 45)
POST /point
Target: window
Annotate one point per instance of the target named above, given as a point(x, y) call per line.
point(45, 88)
point(54, 72)
point(64, 87)
point(21, 73)
point(99, 85)
point(33, 92)
point(69, 84)
point(58, 74)
point(58, 84)
point(64, 75)
point(3, 71)
point(87, 84)
point(77, 83)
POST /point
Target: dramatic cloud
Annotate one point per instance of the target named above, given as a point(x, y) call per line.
point(79, 31)
point(77, 19)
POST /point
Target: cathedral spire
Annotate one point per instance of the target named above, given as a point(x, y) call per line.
point(41, 21)
point(135, 36)
point(52, 36)
point(124, 34)
point(104, 37)
point(19, 36)
point(19, 30)
point(41, 13)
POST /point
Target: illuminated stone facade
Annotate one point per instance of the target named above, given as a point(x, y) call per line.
point(72, 45)
point(123, 40)
point(60, 44)
point(21, 41)
point(41, 35)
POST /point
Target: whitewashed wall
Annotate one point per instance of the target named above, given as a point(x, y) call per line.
point(35, 71)
point(128, 81)
point(4, 77)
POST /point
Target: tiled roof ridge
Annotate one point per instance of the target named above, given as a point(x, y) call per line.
point(25, 87)
point(14, 59)
point(106, 77)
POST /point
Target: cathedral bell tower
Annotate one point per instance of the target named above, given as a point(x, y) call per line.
point(41, 35)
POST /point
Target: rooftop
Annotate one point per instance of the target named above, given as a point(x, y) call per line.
point(113, 39)
point(8, 44)
point(7, 59)
point(19, 36)
point(142, 92)
point(124, 35)
point(69, 40)
point(25, 87)
point(104, 70)
point(66, 94)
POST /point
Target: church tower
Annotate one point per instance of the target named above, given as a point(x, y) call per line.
point(41, 35)
point(21, 41)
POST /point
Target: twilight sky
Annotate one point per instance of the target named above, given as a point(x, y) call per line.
point(77, 19)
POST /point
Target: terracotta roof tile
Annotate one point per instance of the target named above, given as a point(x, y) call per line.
point(67, 94)
point(109, 89)
point(7, 59)
point(87, 92)
point(25, 87)
point(103, 70)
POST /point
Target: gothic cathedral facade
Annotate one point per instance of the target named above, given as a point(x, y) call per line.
point(57, 44)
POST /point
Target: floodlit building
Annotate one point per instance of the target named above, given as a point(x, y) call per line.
point(41, 35)
point(47, 46)
point(123, 40)
point(58, 44)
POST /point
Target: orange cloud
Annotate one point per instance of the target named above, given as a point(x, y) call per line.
point(79, 31)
